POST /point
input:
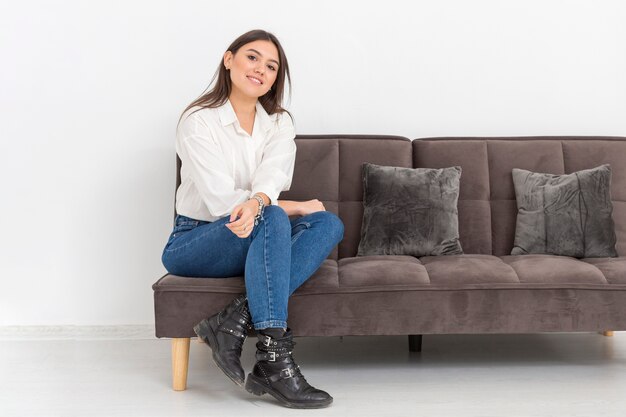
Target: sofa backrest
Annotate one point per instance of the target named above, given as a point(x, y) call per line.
point(329, 168)
point(487, 205)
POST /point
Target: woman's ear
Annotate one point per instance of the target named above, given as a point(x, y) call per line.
point(228, 56)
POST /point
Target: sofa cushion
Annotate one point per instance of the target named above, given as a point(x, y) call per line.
point(553, 269)
point(366, 273)
point(454, 272)
point(466, 271)
point(613, 269)
point(381, 270)
point(567, 214)
point(410, 211)
point(459, 270)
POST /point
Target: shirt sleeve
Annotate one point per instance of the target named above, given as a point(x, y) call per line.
point(275, 172)
point(200, 153)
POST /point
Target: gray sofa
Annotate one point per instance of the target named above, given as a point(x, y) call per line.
point(485, 290)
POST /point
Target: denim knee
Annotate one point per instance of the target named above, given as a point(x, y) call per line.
point(274, 212)
point(332, 222)
point(336, 225)
point(278, 217)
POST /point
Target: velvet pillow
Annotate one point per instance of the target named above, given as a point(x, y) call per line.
point(569, 215)
point(410, 211)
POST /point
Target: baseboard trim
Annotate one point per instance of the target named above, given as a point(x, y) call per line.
point(120, 332)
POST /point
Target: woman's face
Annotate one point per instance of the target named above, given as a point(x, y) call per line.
point(254, 68)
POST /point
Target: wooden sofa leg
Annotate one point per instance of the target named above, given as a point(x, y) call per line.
point(607, 333)
point(415, 342)
point(180, 362)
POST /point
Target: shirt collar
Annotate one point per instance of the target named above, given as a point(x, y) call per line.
point(227, 115)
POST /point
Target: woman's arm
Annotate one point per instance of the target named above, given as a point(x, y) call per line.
point(301, 208)
point(292, 208)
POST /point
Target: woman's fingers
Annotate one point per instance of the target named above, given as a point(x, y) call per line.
point(243, 233)
point(242, 228)
point(245, 220)
point(239, 224)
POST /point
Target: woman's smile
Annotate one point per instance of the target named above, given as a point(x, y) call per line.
point(255, 80)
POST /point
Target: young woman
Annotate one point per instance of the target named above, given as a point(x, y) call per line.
point(236, 144)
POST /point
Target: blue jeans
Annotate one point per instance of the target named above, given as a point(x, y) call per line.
point(279, 255)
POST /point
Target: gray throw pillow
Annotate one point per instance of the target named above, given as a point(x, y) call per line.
point(410, 211)
point(569, 215)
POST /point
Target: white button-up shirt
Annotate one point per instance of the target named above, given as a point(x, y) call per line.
point(223, 166)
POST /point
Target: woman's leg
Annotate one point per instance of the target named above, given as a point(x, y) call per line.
point(201, 249)
point(268, 269)
point(282, 256)
point(314, 236)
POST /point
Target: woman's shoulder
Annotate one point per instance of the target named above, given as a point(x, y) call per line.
point(201, 114)
point(196, 121)
point(284, 120)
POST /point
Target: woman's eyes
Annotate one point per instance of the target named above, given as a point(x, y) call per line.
point(270, 66)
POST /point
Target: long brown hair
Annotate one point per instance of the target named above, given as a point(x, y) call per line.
point(271, 101)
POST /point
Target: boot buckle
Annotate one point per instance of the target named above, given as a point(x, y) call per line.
point(272, 357)
point(268, 341)
point(289, 372)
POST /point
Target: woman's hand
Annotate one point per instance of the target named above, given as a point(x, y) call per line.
point(311, 206)
point(246, 212)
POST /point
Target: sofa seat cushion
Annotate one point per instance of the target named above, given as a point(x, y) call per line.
point(451, 272)
point(368, 273)
point(381, 270)
point(554, 269)
point(613, 269)
point(523, 271)
point(460, 270)
point(175, 283)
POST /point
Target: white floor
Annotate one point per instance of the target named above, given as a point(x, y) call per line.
point(558, 374)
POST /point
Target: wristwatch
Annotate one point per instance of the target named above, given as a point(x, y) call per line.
point(261, 207)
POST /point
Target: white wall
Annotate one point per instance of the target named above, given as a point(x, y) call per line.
point(90, 93)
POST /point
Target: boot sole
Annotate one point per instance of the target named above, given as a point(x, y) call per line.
point(257, 387)
point(206, 334)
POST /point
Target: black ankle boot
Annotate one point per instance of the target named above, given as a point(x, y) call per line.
point(276, 373)
point(225, 333)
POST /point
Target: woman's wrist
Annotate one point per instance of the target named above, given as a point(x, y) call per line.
point(254, 204)
point(266, 199)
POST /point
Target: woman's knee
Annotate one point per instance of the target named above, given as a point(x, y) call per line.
point(277, 215)
point(332, 222)
point(338, 226)
point(274, 212)
point(170, 264)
